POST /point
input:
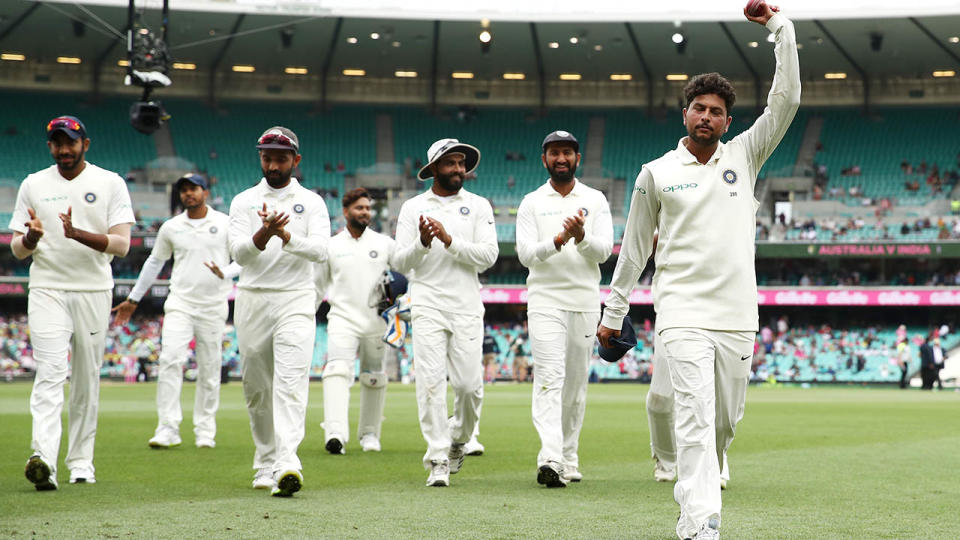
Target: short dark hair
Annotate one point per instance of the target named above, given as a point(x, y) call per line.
point(710, 83)
point(354, 195)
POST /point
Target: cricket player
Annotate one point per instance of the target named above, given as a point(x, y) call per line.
point(445, 237)
point(195, 309)
point(700, 197)
point(73, 218)
point(358, 258)
point(278, 230)
point(564, 232)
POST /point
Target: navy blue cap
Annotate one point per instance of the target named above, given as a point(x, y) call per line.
point(193, 178)
point(621, 344)
point(561, 136)
point(71, 125)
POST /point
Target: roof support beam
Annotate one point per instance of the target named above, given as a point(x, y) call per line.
point(211, 88)
point(434, 66)
point(22, 17)
point(327, 61)
point(933, 38)
point(863, 74)
point(541, 78)
point(757, 83)
point(643, 67)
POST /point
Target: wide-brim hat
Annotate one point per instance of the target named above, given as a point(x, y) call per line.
point(621, 344)
point(449, 146)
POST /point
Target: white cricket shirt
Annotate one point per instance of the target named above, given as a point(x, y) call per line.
point(279, 267)
point(99, 200)
point(568, 279)
point(191, 243)
point(446, 278)
point(706, 216)
point(353, 268)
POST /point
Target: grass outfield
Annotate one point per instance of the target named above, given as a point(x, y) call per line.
point(815, 463)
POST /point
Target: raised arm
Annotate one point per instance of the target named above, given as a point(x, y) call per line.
point(784, 98)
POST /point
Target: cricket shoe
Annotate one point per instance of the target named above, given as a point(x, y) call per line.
point(571, 473)
point(39, 473)
point(456, 457)
point(165, 437)
point(473, 447)
point(288, 483)
point(335, 446)
point(370, 443)
point(264, 479)
point(550, 474)
point(205, 442)
point(709, 531)
point(82, 476)
point(439, 474)
point(662, 473)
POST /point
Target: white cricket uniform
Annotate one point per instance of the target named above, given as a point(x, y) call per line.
point(704, 289)
point(68, 305)
point(274, 313)
point(354, 267)
point(446, 311)
point(195, 308)
point(563, 309)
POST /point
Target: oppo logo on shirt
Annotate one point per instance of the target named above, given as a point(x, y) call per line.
point(679, 187)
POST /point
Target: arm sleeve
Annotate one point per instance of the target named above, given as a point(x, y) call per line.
point(409, 252)
point(482, 252)
point(312, 247)
point(118, 240)
point(597, 245)
point(148, 274)
point(20, 215)
point(783, 100)
point(121, 209)
point(634, 250)
point(530, 249)
point(240, 236)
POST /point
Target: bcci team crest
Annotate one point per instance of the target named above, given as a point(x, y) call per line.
point(373, 254)
point(583, 212)
point(298, 208)
point(213, 229)
point(464, 210)
point(90, 198)
point(729, 176)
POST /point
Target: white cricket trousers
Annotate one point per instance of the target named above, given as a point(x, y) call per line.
point(445, 345)
point(710, 371)
point(343, 349)
point(561, 342)
point(659, 402)
point(181, 323)
point(67, 324)
point(275, 334)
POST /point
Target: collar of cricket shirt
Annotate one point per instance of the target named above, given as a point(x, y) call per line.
point(283, 193)
point(687, 158)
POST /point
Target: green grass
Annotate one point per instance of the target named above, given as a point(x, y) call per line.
point(816, 463)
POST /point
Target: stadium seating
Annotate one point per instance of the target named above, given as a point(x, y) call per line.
point(114, 144)
point(880, 143)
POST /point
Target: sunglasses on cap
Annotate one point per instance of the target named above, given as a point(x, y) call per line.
point(277, 138)
point(64, 123)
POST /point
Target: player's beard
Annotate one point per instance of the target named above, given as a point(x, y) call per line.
point(277, 179)
point(563, 177)
point(356, 225)
point(77, 159)
point(450, 182)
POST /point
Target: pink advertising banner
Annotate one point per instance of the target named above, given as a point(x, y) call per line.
point(769, 296)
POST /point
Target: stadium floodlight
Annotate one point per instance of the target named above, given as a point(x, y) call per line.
point(485, 36)
point(954, 39)
point(352, 40)
point(462, 75)
point(835, 76)
point(68, 60)
point(290, 70)
point(243, 68)
point(13, 57)
point(598, 47)
point(355, 72)
point(553, 45)
point(514, 76)
point(185, 66)
point(374, 35)
point(677, 76)
point(123, 63)
point(677, 38)
point(621, 77)
point(570, 76)
point(753, 44)
point(574, 40)
point(945, 73)
point(405, 74)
